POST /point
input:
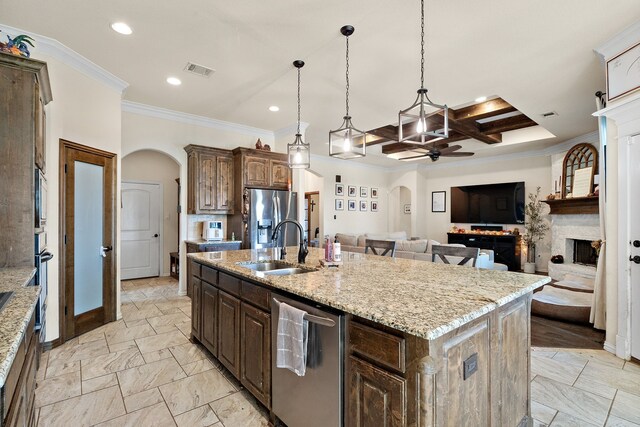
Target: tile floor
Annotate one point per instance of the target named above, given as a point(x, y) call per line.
point(143, 371)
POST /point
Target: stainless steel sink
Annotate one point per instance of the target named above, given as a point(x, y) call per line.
point(267, 265)
point(287, 271)
point(4, 297)
point(275, 268)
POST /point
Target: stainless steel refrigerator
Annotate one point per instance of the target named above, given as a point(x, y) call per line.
point(262, 211)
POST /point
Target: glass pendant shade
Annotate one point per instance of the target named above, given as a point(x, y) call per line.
point(299, 154)
point(424, 122)
point(347, 142)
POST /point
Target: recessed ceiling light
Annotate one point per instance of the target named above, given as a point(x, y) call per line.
point(174, 81)
point(481, 99)
point(122, 28)
point(274, 108)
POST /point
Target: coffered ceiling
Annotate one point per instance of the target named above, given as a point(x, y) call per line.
point(537, 56)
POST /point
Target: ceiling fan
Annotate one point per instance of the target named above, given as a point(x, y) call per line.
point(436, 152)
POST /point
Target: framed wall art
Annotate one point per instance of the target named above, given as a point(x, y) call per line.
point(623, 73)
point(339, 204)
point(351, 204)
point(407, 209)
point(352, 191)
point(363, 205)
point(339, 189)
point(374, 206)
point(438, 201)
point(364, 191)
point(374, 193)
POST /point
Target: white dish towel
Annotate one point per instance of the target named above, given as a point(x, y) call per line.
point(292, 339)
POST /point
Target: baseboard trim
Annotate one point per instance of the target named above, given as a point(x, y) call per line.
point(49, 345)
point(611, 348)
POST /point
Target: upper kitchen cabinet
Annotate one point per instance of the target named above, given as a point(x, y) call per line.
point(261, 169)
point(25, 89)
point(210, 180)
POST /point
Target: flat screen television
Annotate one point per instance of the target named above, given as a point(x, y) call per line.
point(488, 204)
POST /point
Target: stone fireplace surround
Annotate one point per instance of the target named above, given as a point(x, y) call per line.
point(564, 230)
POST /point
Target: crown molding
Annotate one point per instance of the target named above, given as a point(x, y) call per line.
point(55, 49)
point(290, 130)
point(192, 119)
point(619, 43)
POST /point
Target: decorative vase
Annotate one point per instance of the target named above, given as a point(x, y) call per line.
point(530, 267)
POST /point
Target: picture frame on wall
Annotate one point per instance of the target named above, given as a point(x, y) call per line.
point(351, 204)
point(364, 191)
point(374, 206)
point(623, 73)
point(407, 209)
point(363, 205)
point(339, 204)
point(339, 189)
point(374, 193)
point(352, 191)
point(438, 201)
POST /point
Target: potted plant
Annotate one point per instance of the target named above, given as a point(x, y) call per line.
point(534, 229)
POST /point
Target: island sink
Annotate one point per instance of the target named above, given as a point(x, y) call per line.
point(276, 268)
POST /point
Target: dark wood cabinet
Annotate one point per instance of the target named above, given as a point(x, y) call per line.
point(506, 248)
point(18, 392)
point(376, 397)
point(24, 85)
point(209, 333)
point(210, 180)
point(280, 174)
point(229, 332)
point(256, 352)
point(196, 308)
point(256, 171)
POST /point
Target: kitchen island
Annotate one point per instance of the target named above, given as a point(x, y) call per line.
point(424, 345)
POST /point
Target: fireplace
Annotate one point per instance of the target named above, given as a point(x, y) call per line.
point(584, 253)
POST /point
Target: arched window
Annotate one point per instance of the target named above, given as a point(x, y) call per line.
point(579, 157)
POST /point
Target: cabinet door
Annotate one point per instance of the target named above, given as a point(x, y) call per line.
point(376, 397)
point(192, 182)
point(196, 308)
point(256, 352)
point(210, 318)
point(224, 190)
point(207, 182)
point(256, 170)
point(229, 332)
point(280, 174)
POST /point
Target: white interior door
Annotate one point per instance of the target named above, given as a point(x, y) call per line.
point(634, 238)
point(140, 232)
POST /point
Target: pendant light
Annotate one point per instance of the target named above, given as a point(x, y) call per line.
point(298, 152)
point(347, 142)
point(413, 123)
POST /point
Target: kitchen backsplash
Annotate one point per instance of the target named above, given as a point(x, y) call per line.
point(194, 225)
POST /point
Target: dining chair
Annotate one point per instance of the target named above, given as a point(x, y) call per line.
point(384, 246)
point(467, 254)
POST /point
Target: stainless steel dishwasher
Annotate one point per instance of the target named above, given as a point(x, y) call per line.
point(315, 399)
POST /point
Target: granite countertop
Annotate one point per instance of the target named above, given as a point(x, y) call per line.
point(211, 242)
point(15, 315)
point(417, 297)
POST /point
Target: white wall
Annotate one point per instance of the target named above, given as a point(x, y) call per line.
point(399, 220)
point(87, 112)
point(153, 166)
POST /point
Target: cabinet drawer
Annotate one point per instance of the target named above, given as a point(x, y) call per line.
point(195, 268)
point(229, 284)
point(377, 346)
point(209, 275)
point(256, 295)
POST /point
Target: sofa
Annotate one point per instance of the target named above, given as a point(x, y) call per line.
point(418, 249)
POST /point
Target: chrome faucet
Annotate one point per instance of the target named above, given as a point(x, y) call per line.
point(302, 251)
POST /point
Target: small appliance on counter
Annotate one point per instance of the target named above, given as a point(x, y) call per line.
point(212, 230)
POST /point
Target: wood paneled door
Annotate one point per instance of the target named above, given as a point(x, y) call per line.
point(87, 238)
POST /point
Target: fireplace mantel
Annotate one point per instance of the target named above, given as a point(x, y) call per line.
point(574, 206)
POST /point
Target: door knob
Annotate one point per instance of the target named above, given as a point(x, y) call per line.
point(635, 259)
point(155, 235)
point(104, 250)
point(636, 243)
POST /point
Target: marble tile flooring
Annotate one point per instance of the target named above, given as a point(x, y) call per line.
point(143, 371)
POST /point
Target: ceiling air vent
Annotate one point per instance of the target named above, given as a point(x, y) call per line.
point(199, 69)
point(549, 114)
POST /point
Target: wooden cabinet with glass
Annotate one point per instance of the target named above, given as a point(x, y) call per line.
point(210, 180)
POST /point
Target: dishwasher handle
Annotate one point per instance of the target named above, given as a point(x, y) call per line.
point(324, 321)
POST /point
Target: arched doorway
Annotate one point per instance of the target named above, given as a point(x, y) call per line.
point(313, 206)
point(400, 209)
point(150, 202)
